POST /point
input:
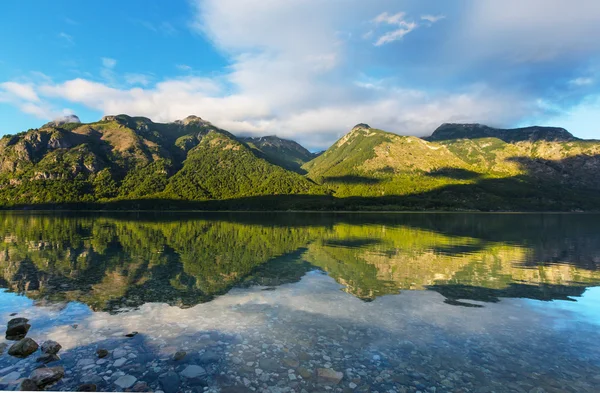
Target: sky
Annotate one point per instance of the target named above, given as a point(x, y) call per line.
point(306, 70)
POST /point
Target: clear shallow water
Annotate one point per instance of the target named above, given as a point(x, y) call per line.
point(407, 302)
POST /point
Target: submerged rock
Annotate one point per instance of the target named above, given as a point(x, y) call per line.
point(17, 329)
point(193, 371)
point(23, 348)
point(3, 347)
point(47, 375)
point(132, 334)
point(126, 381)
point(179, 355)
point(51, 347)
point(169, 382)
point(48, 358)
point(29, 386)
point(102, 353)
point(140, 387)
point(329, 376)
point(87, 387)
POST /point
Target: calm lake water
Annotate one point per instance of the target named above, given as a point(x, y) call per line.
point(307, 302)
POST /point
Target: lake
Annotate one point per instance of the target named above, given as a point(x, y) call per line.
point(305, 302)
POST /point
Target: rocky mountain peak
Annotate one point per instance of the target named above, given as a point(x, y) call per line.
point(63, 120)
point(361, 126)
point(449, 131)
point(192, 119)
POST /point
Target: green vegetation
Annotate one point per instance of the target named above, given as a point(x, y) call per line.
point(128, 162)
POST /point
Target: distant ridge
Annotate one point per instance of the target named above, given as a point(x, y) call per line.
point(449, 131)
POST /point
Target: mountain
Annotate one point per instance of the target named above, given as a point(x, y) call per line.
point(285, 153)
point(124, 158)
point(133, 162)
point(464, 167)
point(450, 131)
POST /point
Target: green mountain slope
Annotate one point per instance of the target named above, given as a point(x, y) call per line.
point(123, 158)
point(285, 153)
point(464, 166)
point(132, 162)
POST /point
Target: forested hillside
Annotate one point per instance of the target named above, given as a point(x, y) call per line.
point(132, 162)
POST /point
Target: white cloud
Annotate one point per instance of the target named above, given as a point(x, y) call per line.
point(397, 19)
point(432, 18)
point(39, 111)
point(138, 79)
point(108, 62)
point(581, 81)
point(308, 80)
point(395, 35)
point(18, 91)
point(530, 31)
point(68, 39)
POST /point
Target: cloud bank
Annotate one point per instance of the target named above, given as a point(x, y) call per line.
point(310, 70)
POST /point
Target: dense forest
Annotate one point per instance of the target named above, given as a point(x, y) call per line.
point(124, 162)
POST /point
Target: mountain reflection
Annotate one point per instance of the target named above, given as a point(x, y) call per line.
point(126, 261)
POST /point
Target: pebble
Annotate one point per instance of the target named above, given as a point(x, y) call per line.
point(119, 362)
point(125, 381)
point(88, 387)
point(169, 382)
point(193, 371)
point(179, 355)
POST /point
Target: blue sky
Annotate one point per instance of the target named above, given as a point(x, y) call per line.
point(303, 69)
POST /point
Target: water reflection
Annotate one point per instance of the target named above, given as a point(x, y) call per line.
point(112, 262)
point(309, 302)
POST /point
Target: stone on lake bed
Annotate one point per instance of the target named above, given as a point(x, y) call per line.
point(269, 364)
point(48, 358)
point(102, 353)
point(11, 377)
point(193, 371)
point(179, 355)
point(87, 387)
point(51, 347)
point(17, 328)
point(3, 347)
point(119, 353)
point(23, 348)
point(119, 362)
point(29, 386)
point(169, 382)
point(47, 375)
point(85, 362)
point(140, 387)
point(329, 376)
point(126, 381)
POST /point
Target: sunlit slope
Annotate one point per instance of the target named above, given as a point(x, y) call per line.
point(466, 169)
point(123, 158)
